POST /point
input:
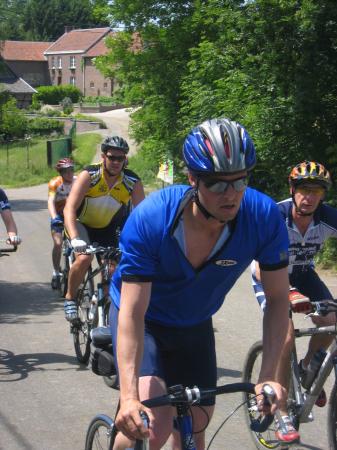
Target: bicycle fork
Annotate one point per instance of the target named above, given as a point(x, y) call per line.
point(183, 424)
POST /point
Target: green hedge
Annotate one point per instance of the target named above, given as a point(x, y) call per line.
point(44, 127)
point(53, 95)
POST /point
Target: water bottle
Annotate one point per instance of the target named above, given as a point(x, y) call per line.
point(313, 368)
point(93, 307)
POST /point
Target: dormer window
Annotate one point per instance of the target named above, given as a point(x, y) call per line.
point(72, 62)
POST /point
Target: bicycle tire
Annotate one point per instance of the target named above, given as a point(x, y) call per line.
point(332, 419)
point(251, 370)
point(100, 434)
point(111, 381)
point(81, 329)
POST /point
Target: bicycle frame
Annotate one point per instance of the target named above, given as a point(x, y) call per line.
point(305, 401)
point(183, 423)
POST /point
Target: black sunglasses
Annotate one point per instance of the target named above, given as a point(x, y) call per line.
point(66, 170)
point(220, 186)
point(116, 158)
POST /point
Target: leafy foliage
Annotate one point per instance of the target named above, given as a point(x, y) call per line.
point(13, 122)
point(44, 127)
point(269, 64)
point(54, 95)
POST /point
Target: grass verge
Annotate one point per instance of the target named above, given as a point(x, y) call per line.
point(26, 165)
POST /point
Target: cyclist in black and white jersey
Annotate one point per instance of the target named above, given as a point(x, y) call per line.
point(310, 222)
point(8, 219)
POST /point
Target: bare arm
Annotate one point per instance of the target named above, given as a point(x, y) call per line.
point(138, 194)
point(74, 200)
point(51, 206)
point(9, 222)
point(275, 322)
point(135, 299)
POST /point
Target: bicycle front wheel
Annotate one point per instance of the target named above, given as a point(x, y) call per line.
point(332, 419)
point(251, 371)
point(100, 434)
point(81, 329)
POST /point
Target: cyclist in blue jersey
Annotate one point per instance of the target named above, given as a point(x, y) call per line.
point(310, 222)
point(183, 248)
point(8, 219)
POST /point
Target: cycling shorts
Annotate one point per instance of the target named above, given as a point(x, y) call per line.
point(307, 282)
point(177, 355)
point(103, 236)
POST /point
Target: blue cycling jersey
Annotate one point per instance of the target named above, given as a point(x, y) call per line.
point(4, 202)
point(182, 295)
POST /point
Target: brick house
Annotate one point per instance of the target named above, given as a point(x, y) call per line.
point(27, 61)
point(70, 61)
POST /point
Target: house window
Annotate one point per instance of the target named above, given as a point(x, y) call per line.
point(59, 62)
point(72, 81)
point(72, 62)
point(52, 62)
point(92, 84)
point(105, 85)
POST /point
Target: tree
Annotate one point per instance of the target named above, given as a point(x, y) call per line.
point(269, 64)
point(11, 19)
point(46, 20)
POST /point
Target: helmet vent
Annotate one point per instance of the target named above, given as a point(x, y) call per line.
point(209, 147)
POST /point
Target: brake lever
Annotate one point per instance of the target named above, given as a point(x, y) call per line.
point(263, 422)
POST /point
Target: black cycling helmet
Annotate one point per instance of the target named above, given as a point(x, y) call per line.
point(114, 143)
point(219, 146)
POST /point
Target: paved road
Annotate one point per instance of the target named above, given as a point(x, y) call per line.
point(118, 122)
point(47, 398)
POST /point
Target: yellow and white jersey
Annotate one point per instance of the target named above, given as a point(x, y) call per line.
point(101, 203)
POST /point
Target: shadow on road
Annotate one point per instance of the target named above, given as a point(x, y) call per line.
point(17, 367)
point(19, 302)
point(28, 205)
point(221, 372)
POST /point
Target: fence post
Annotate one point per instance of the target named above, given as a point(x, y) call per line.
point(7, 153)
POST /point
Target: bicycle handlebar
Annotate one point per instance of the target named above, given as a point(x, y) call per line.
point(191, 396)
point(108, 252)
point(11, 249)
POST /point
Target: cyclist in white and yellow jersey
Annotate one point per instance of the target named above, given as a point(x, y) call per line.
point(97, 207)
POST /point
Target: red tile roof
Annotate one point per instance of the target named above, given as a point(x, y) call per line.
point(99, 48)
point(79, 41)
point(23, 50)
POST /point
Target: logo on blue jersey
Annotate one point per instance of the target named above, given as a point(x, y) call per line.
point(225, 262)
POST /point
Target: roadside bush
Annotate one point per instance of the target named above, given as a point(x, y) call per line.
point(13, 123)
point(99, 99)
point(67, 105)
point(53, 95)
point(49, 111)
point(44, 127)
point(326, 259)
